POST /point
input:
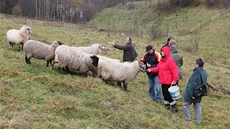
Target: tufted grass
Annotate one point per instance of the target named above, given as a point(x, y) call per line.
point(33, 96)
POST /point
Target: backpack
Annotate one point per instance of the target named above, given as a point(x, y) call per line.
point(200, 90)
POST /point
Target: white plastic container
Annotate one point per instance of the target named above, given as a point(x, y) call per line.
point(174, 92)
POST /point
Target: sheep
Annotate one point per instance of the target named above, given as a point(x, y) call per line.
point(93, 49)
point(103, 59)
point(19, 37)
point(39, 50)
point(119, 72)
point(76, 61)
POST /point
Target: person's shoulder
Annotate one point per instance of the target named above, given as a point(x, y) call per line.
point(203, 71)
point(129, 44)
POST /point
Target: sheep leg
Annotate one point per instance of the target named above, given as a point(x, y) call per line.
point(119, 84)
point(11, 44)
point(48, 62)
point(52, 65)
point(27, 60)
point(60, 70)
point(19, 48)
point(105, 80)
point(125, 86)
point(67, 69)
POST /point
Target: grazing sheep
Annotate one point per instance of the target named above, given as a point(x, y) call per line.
point(119, 72)
point(103, 59)
point(18, 36)
point(93, 49)
point(39, 50)
point(75, 61)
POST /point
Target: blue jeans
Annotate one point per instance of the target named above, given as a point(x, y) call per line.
point(153, 81)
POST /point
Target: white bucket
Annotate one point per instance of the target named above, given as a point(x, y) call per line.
point(174, 92)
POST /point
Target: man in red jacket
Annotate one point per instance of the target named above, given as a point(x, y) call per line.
point(168, 75)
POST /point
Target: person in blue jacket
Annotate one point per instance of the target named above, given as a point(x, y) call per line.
point(195, 79)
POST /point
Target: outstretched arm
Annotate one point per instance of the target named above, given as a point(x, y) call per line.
point(119, 47)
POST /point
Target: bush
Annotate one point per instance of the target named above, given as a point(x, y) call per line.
point(17, 11)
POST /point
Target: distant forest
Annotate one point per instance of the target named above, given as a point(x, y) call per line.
point(57, 10)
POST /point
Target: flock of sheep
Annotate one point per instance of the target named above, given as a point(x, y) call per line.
point(75, 59)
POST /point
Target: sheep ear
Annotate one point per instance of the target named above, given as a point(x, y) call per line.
point(60, 43)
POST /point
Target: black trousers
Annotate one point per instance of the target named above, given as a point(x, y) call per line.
point(166, 94)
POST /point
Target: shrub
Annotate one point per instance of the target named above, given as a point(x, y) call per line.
point(17, 11)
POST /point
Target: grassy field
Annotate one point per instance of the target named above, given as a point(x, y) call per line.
point(143, 17)
point(33, 96)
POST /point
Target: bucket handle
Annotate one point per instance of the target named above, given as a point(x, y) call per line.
point(173, 84)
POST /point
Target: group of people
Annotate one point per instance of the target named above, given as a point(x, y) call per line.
point(164, 70)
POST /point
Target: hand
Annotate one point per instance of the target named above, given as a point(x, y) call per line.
point(173, 82)
point(148, 65)
point(113, 43)
point(148, 70)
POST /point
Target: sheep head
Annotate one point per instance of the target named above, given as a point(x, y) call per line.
point(142, 66)
point(55, 44)
point(26, 29)
point(102, 49)
point(95, 60)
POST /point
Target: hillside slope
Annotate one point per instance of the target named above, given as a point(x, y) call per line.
point(211, 41)
point(33, 96)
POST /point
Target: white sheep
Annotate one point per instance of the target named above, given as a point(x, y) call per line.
point(93, 49)
point(18, 36)
point(39, 50)
point(103, 59)
point(75, 61)
point(119, 72)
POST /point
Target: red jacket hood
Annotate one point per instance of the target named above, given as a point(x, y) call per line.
point(166, 50)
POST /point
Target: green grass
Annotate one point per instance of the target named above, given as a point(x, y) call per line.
point(33, 96)
point(144, 17)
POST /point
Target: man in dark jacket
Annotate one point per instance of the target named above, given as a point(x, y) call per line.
point(199, 76)
point(151, 58)
point(130, 53)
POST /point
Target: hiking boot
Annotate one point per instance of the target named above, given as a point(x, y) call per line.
point(167, 106)
point(174, 108)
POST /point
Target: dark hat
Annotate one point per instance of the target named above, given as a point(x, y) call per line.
point(148, 48)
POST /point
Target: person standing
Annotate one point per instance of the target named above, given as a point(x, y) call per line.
point(168, 75)
point(129, 53)
point(176, 56)
point(151, 58)
point(198, 77)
